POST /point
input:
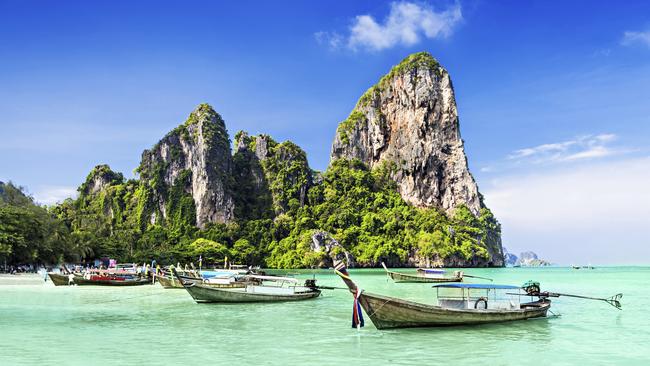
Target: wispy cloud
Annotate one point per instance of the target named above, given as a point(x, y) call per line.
point(49, 195)
point(332, 39)
point(591, 212)
point(579, 148)
point(406, 24)
point(630, 38)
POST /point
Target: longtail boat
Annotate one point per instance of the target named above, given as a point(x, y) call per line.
point(111, 280)
point(220, 277)
point(59, 279)
point(471, 304)
point(167, 281)
point(252, 288)
point(97, 280)
point(424, 275)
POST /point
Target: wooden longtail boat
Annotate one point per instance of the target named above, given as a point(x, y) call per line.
point(239, 292)
point(97, 280)
point(468, 309)
point(218, 277)
point(111, 281)
point(58, 279)
point(423, 276)
point(167, 281)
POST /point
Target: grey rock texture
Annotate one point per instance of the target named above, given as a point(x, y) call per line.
point(530, 259)
point(100, 178)
point(409, 121)
point(509, 258)
point(324, 242)
point(278, 169)
point(199, 152)
point(253, 199)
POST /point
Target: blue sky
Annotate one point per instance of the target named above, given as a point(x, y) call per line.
point(552, 96)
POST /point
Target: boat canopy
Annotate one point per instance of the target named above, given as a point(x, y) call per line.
point(222, 273)
point(431, 270)
point(273, 278)
point(478, 286)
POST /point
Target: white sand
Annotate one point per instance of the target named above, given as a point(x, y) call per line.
point(22, 279)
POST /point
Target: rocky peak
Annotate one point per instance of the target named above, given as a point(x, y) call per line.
point(252, 195)
point(264, 165)
point(324, 242)
point(99, 178)
point(192, 161)
point(408, 122)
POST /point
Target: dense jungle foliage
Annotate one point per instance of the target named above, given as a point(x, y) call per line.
point(359, 207)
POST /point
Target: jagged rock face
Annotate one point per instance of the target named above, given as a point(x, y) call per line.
point(324, 242)
point(280, 169)
point(197, 156)
point(409, 122)
point(508, 258)
point(253, 198)
point(100, 178)
point(530, 259)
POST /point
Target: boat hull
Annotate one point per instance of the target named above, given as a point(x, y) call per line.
point(388, 312)
point(227, 294)
point(58, 279)
point(403, 278)
point(80, 281)
point(167, 282)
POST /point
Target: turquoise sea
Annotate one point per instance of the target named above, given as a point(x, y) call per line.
point(45, 325)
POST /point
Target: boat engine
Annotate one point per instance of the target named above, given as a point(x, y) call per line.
point(531, 288)
point(311, 283)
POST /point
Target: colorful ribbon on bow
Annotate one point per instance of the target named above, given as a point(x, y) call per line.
point(357, 315)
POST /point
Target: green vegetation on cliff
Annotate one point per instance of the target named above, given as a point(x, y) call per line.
point(279, 203)
point(364, 212)
point(359, 207)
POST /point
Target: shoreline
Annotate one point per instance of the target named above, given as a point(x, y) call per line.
point(22, 279)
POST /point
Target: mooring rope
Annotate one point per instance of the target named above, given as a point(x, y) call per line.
point(379, 308)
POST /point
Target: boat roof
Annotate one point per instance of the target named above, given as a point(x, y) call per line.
point(274, 278)
point(478, 285)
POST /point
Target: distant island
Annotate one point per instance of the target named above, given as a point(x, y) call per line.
point(525, 259)
point(398, 190)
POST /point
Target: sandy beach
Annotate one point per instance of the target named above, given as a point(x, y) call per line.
point(22, 279)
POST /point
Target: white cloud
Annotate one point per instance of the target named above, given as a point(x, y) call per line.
point(332, 39)
point(406, 24)
point(591, 213)
point(579, 148)
point(49, 195)
point(636, 37)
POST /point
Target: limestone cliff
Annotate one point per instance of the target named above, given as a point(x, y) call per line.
point(409, 121)
point(253, 199)
point(187, 172)
point(270, 176)
point(100, 178)
point(398, 189)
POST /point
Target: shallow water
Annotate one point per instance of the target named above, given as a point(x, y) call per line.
point(42, 325)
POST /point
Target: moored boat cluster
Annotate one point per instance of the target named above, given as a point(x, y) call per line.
point(458, 303)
